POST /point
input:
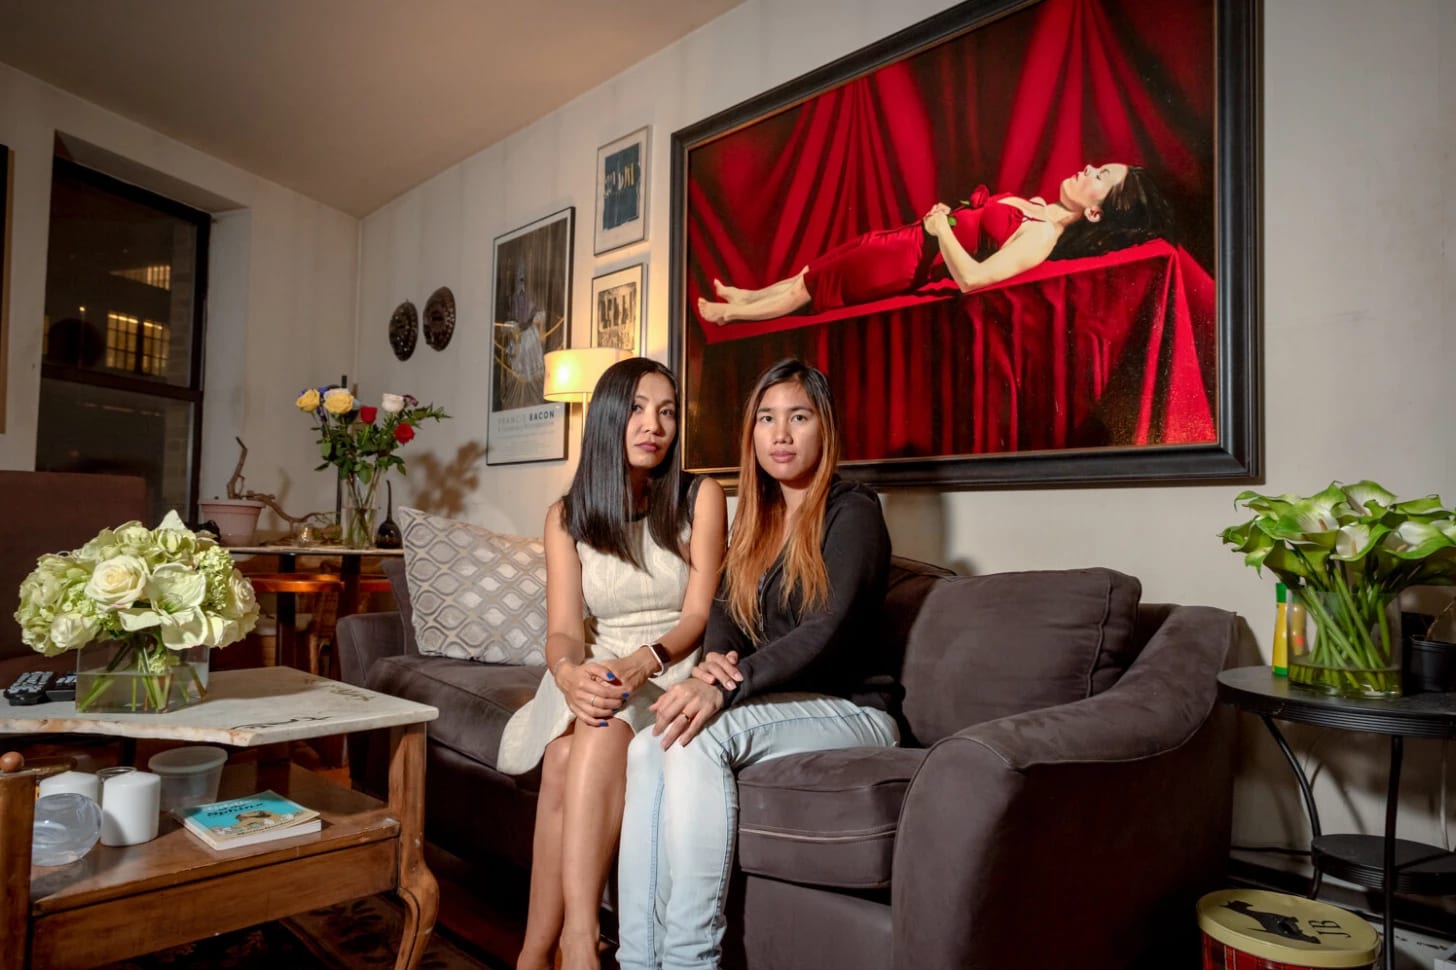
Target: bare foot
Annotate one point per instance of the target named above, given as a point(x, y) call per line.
point(713, 312)
point(729, 294)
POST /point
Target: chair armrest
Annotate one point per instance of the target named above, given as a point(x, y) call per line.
point(365, 638)
point(1105, 818)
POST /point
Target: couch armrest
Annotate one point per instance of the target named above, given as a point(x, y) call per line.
point(1104, 819)
point(363, 639)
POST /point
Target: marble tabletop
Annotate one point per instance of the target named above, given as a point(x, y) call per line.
point(292, 550)
point(244, 708)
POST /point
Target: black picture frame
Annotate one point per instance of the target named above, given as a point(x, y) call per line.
point(6, 190)
point(1235, 401)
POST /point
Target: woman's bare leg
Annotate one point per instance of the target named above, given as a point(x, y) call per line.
point(596, 785)
point(734, 294)
point(778, 300)
point(543, 919)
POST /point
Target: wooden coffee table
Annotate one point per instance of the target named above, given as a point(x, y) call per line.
point(120, 902)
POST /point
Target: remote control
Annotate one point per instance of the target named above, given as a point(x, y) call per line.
point(63, 688)
point(29, 688)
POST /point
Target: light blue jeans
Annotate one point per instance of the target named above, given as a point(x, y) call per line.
point(680, 825)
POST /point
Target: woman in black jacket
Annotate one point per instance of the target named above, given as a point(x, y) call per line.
point(786, 670)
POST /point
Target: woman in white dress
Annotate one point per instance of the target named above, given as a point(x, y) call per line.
point(636, 545)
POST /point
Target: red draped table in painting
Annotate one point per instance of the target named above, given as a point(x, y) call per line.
point(1102, 351)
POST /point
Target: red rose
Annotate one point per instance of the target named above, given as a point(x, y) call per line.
point(367, 414)
point(404, 434)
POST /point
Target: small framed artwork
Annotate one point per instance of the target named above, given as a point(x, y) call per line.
point(619, 310)
point(532, 317)
point(622, 192)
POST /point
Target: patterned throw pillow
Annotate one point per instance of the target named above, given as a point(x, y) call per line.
point(476, 594)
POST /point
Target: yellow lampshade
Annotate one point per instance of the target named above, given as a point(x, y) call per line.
point(572, 375)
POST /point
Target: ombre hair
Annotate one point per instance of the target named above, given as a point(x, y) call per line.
point(759, 520)
point(598, 508)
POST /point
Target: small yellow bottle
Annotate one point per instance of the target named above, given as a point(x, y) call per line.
point(1295, 622)
point(1281, 632)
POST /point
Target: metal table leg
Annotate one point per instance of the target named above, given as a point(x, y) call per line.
point(1307, 794)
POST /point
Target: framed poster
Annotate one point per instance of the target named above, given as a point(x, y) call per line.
point(619, 310)
point(621, 192)
point(1020, 237)
point(531, 300)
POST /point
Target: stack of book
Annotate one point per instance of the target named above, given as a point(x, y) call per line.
point(248, 820)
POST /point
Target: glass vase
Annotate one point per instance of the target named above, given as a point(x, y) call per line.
point(138, 675)
point(1351, 642)
point(360, 511)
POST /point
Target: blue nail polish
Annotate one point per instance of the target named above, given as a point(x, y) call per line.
point(611, 676)
point(625, 695)
point(601, 724)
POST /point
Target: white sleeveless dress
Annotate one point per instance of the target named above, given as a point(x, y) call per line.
point(627, 607)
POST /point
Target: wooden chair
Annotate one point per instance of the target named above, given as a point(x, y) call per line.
point(328, 590)
point(17, 819)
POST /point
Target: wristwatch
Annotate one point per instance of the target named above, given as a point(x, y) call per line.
point(663, 658)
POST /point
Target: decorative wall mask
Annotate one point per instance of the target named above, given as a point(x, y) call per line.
point(404, 330)
point(439, 318)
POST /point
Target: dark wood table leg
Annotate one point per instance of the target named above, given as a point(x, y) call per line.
point(1392, 803)
point(287, 604)
point(416, 884)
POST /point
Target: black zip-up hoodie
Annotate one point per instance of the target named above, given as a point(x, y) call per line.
point(827, 651)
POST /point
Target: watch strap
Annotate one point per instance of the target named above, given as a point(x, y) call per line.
point(664, 659)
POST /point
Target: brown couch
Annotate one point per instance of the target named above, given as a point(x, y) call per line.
point(1061, 799)
point(51, 512)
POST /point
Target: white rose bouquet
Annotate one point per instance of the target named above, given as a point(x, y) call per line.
point(156, 593)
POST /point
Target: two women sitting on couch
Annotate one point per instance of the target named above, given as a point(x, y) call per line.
point(785, 666)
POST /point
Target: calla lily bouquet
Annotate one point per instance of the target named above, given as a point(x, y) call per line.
point(360, 440)
point(1348, 551)
point(157, 593)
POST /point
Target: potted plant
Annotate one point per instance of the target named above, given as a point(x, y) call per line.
point(1349, 551)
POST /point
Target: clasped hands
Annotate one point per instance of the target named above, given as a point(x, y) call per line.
point(937, 220)
point(684, 708)
point(596, 689)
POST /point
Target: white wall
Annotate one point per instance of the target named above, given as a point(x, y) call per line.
point(1358, 268)
point(282, 285)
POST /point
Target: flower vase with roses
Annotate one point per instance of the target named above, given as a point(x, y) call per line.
point(142, 607)
point(360, 440)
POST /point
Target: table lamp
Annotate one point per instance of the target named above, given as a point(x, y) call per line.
point(572, 375)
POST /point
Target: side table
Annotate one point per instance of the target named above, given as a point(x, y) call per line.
point(1378, 862)
point(118, 902)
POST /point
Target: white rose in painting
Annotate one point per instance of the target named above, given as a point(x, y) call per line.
point(117, 582)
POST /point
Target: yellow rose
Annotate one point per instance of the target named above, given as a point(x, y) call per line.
point(308, 400)
point(338, 401)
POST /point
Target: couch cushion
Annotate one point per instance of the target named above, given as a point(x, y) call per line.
point(475, 699)
point(989, 646)
point(393, 570)
point(827, 818)
point(474, 594)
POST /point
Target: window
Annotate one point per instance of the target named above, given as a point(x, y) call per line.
point(121, 381)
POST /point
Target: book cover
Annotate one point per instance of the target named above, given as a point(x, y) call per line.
point(248, 820)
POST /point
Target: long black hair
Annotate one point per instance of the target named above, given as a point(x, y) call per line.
point(1134, 212)
point(598, 508)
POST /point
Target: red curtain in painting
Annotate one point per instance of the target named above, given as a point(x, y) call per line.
point(1018, 105)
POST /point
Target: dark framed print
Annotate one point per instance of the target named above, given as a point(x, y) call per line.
point(621, 179)
point(619, 310)
point(1020, 237)
point(531, 298)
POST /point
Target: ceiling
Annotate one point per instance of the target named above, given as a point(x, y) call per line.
point(350, 102)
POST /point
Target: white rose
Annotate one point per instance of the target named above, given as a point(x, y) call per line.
point(392, 403)
point(70, 630)
point(117, 582)
point(241, 599)
point(174, 588)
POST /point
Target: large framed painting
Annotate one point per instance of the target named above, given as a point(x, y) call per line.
point(618, 310)
point(531, 299)
point(5, 196)
point(621, 179)
point(1019, 237)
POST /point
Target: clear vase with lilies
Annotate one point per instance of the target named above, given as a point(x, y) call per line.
point(1349, 551)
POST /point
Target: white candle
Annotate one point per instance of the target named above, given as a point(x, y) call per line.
point(130, 808)
point(79, 782)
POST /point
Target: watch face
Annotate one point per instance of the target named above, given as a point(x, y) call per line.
point(439, 318)
point(404, 330)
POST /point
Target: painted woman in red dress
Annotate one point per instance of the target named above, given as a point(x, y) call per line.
point(982, 242)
